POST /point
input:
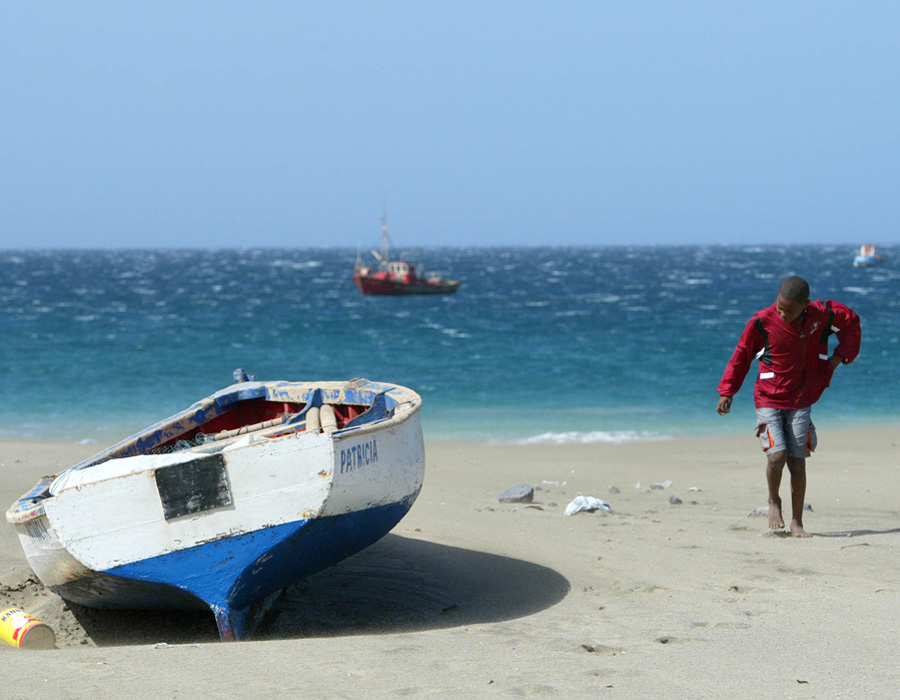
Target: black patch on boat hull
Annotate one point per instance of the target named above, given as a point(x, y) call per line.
point(105, 591)
point(193, 487)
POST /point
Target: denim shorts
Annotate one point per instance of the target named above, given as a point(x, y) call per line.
point(781, 429)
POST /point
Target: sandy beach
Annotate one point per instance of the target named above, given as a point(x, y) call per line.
point(678, 593)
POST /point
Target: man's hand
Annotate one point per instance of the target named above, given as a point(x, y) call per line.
point(724, 405)
point(835, 360)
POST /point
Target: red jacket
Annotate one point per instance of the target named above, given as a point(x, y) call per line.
point(793, 363)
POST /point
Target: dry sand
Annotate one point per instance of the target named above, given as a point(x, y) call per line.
point(469, 597)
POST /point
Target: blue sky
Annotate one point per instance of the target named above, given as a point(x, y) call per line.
point(227, 124)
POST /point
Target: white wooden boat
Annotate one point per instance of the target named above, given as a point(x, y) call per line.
point(230, 501)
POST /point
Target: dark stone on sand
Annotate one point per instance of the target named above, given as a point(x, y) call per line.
point(674, 500)
point(614, 489)
point(520, 493)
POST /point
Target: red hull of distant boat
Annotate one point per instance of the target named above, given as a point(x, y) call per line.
point(381, 284)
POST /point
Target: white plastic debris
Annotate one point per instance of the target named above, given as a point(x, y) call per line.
point(588, 503)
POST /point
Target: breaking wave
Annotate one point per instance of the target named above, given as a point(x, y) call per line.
point(616, 437)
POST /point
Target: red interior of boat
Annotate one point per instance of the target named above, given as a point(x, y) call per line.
point(256, 411)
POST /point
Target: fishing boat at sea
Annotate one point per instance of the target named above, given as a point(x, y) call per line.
point(397, 277)
point(867, 256)
point(225, 504)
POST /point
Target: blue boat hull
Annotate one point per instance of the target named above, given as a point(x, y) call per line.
point(239, 578)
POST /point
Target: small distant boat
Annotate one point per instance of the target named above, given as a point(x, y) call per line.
point(396, 277)
point(867, 256)
point(224, 505)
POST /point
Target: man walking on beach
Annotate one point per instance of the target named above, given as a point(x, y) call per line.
point(790, 338)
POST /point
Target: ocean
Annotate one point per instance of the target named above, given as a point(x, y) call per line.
point(541, 344)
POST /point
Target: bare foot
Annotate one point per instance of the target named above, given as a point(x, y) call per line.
point(797, 529)
point(776, 521)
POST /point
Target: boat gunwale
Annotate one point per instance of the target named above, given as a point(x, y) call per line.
point(232, 395)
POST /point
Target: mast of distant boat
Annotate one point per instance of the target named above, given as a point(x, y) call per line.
point(385, 241)
point(385, 255)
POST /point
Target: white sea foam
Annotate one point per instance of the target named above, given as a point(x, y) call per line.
point(616, 437)
point(294, 265)
point(454, 333)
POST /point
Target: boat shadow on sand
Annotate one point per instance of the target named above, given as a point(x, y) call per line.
point(398, 584)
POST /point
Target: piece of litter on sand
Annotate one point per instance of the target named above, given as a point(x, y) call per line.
point(674, 500)
point(164, 645)
point(614, 489)
point(807, 506)
point(637, 485)
point(588, 503)
point(764, 510)
point(664, 485)
point(694, 488)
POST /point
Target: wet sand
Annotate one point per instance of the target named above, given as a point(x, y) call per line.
point(469, 597)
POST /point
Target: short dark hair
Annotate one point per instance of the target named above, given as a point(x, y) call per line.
point(794, 289)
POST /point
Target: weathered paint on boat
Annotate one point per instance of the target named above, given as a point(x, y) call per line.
point(227, 526)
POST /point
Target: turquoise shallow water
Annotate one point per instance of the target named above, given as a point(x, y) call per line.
point(541, 344)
